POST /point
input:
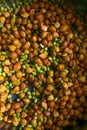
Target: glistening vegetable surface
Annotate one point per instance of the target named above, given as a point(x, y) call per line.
point(45, 47)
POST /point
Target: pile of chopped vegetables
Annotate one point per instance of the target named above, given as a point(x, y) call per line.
point(43, 66)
